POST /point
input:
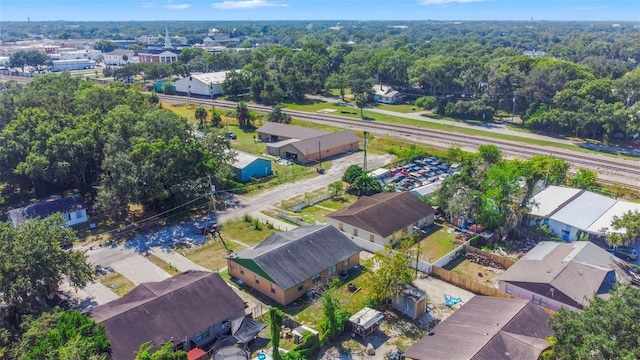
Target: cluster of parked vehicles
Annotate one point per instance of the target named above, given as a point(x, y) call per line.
point(419, 173)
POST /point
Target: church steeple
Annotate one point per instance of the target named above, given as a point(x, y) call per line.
point(167, 39)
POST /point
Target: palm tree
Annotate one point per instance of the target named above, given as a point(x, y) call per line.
point(242, 114)
point(201, 115)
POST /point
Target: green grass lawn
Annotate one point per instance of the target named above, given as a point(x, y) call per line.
point(437, 243)
point(401, 108)
point(210, 255)
point(245, 232)
point(117, 283)
point(372, 116)
point(172, 270)
point(317, 212)
point(352, 302)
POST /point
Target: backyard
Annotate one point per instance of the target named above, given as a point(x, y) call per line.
point(438, 242)
point(484, 275)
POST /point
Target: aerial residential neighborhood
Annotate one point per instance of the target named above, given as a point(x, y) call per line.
point(264, 183)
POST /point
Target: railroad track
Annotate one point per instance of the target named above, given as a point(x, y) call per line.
point(603, 165)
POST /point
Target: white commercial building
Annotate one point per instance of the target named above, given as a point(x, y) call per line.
point(209, 84)
point(570, 213)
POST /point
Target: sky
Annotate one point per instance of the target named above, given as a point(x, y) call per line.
point(220, 10)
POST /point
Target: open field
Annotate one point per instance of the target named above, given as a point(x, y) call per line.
point(117, 283)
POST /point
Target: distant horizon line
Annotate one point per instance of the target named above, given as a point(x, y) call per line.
point(322, 20)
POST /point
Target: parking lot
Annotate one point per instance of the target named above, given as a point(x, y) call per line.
point(420, 172)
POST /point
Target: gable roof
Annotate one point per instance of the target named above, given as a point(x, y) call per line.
point(44, 208)
point(384, 213)
point(289, 131)
point(327, 141)
point(584, 210)
point(244, 159)
point(618, 209)
point(217, 77)
point(487, 328)
point(578, 270)
point(289, 258)
point(175, 308)
point(551, 199)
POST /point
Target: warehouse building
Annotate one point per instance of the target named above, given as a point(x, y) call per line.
point(304, 145)
point(208, 84)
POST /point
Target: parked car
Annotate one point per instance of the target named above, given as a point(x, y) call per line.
point(624, 252)
point(231, 135)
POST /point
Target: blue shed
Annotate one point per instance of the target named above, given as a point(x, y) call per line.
point(249, 166)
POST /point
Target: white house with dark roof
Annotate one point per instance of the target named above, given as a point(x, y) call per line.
point(386, 94)
point(383, 218)
point(558, 275)
point(571, 212)
point(73, 210)
point(288, 264)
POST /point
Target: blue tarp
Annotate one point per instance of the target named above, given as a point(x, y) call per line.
point(450, 300)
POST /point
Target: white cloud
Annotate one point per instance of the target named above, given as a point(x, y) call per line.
point(442, 2)
point(177, 6)
point(148, 5)
point(247, 4)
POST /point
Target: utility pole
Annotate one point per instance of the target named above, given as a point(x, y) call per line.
point(364, 167)
point(513, 111)
point(319, 155)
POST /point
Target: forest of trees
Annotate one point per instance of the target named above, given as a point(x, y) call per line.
point(586, 86)
point(111, 143)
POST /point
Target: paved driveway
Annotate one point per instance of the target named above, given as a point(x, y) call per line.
point(127, 262)
point(92, 295)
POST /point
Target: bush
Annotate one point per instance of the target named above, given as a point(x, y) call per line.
point(426, 102)
point(309, 345)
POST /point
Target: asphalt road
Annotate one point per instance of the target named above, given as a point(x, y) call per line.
point(274, 196)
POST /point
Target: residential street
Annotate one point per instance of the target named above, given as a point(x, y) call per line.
point(273, 196)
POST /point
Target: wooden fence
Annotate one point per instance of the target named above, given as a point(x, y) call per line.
point(466, 283)
point(493, 257)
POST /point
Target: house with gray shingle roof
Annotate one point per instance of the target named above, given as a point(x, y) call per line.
point(73, 210)
point(487, 328)
point(288, 264)
point(558, 275)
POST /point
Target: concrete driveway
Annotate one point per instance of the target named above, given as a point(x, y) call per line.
point(173, 258)
point(92, 295)
point(127, 262)
point(436, 290)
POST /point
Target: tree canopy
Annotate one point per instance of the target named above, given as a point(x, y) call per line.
point(59, 133)
point(606, 329)
point(63, 335)
point(34, 265)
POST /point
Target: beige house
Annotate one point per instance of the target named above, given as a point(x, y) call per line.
point(288, 264)
point(383, 218)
